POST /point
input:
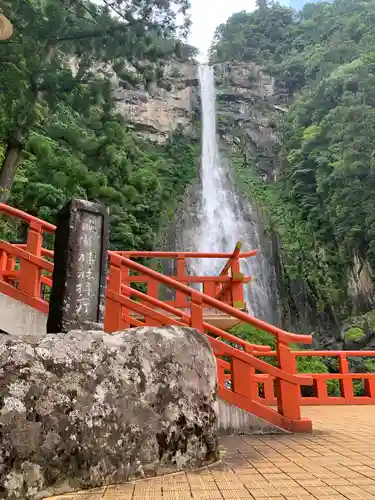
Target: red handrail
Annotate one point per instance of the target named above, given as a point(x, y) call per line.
point(187, 255)
point(243, 365)
point(23, 282)
point(30, 219)
point(264, 391)
point(215, 304)
point(185, 318)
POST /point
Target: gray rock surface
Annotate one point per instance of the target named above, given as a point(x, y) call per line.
point(86, 409)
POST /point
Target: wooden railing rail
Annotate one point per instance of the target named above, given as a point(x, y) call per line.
point(226, 287)
point(184, 318)
point(244, 380)
point(33, 278)
point(283, 335)
point(120, 307)
point(232, 291)
point(25, 217)
point(340, 383)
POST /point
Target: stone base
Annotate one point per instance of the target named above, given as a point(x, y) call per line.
point(233, 420)
point(88, 409)
point(17, 318)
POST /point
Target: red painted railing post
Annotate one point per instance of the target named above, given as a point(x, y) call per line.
point(125, 280)
point(30, 273)
point(242, 382)
point(320, 389)
point(152, 291)
point(10, 265)
point(3, 261)
point(269, 390)
point(196, 311)
point(346, 384)
point(237, 299)
point(180, 297)
point(370, 387)
point(287, 393)
point(209, 288)
point(220, 372)
point(113, 310)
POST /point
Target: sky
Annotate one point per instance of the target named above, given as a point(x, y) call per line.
point(208, 14)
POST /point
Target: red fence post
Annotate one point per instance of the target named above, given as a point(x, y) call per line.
point(346, 384)
point(152, 291)
point(242, 382)
point(220, 372)
point(30, 273)
point(113, 309)
point(180, 297)
point(287, 394)
point(196, 311)
point(209, 288)
point(370, 387)
point(3, 261)
point(237, 299)
point(269, 390)
point(320, 389)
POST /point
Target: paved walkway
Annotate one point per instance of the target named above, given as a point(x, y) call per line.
point(336, 462)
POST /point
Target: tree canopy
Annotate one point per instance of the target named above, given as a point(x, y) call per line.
point(60, 133)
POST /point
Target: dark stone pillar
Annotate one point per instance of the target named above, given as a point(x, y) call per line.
point(80, 268)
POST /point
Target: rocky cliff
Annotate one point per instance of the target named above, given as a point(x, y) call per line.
point(251, 106)
point(156, 111)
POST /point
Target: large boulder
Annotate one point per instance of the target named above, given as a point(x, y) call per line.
point(87, 409)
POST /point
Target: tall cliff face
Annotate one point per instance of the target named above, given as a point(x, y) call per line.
point(251, 107)
point(156, 111)
point(247, 225)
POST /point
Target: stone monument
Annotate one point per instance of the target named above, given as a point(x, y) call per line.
point(80, 268)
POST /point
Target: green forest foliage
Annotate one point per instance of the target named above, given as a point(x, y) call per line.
point(321, 205)
point(60, 134)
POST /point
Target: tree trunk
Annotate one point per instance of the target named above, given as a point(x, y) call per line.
point(9, 168)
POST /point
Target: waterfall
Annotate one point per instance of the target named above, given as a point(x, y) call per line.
point(224, 218)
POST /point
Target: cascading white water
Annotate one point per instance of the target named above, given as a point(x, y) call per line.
point(223, 219)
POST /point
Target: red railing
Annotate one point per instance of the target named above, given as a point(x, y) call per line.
point(123, 301)
point(226, 287)
point(127, 306)
point(23, 270)
point(336, 388)
point(245, 380)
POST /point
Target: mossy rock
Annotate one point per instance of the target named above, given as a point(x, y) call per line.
point(371, 320)
point(354, 334)
point(358, 322)
point(369, 365)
